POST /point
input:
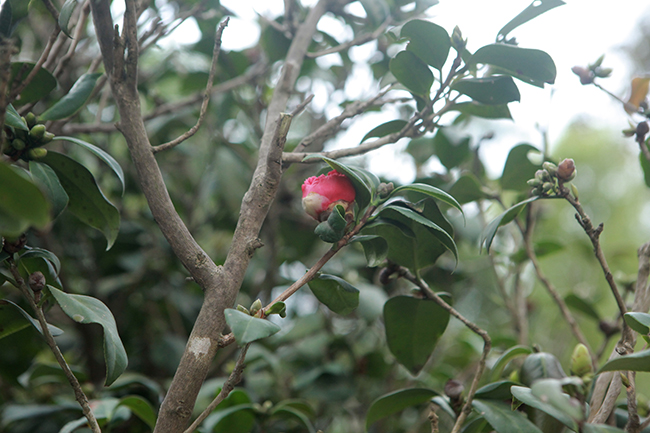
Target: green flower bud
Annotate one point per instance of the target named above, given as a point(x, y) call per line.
point(547, 186)
point(581, 361)
point(256, 306)
point(243, 309)
point(550, 168)
point(37, 132)
point(574, 191)
point(37, 153)
point(534, 182)
point(47, 137)
point(30, 119)
point(18, 144)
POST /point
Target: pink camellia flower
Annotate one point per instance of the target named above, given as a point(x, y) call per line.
point(320, 194)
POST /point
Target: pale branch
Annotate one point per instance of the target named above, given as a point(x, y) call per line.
point(487, 342)
point(206, 95)
point(632, 425)
point(80, 396)
point(360, 40)
point(80, 27)
point(642, 290)
point(51, 9)
point(301, 107)
point(234, 378)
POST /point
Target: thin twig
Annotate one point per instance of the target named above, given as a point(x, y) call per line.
point(206, 94)
point(296, 111)
point(234, 378)
point(354, 42)
point(37, 67)
point(80, 27)
point(49, 339)
point(52, 10)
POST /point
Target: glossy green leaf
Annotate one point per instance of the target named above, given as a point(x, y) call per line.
point(333, 229)
point(287, 411)
point(495, 90)
point(640, 322)
point(247, 329)
point(525, 395)
point(482, 110)
point(495, 391)
point(412, 72)
point(639, 361)
point(396, 401)
point(13, 119)
point(74, 100)
point(582, 305)
point(506, 357)
point(13, 319)
point(335, 293)
point(600, 428)
point(141, 408)
point(374, 247)
point(86, 201)
point(22, 204)
point(451, 151)
point(518, 168)
point(538, 366)
point(413, 327)
point(65, 14)
point(86, 309)
point(535, 9)
point(44, 254)
point(385, 129)
point(429, 191)
point(491, 229)
point(361, 188)
point(530, 66)
point(503, 419)
point(12, 12)
point(467, 189)
point(41, 86)
point(550, 391)
point(277, 308)
point(238, 418)
point(51, 186)
point(428, 41)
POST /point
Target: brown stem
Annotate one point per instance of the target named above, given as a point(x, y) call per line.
point(6, 50)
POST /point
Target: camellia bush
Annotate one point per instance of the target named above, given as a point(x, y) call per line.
point(155, 191)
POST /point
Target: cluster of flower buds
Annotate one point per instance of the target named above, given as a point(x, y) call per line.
point(548, 179)
point(26, 145)
point(591, 72)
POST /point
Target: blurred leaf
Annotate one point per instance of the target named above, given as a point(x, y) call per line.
point(22, 204)
point(41, 86)
point(285, 410)
point(550, 391)
point(640, 322)
point(86, 201)
point(45, 254)
point(495, 391)
point(74, 100)
point(506, 357)
point(12, 12)
point(526, 396)
point(467, 189)
point(491, 229)
point(234, 419)
point(65, 14)
point(13, 319)
point(451, 152)
point(86, 309)
point(473, 108)
point(639, 361)
point(247, 329)
point(376, 10)
point(495, 90)
point(74, 425)
point(645, 165)
point(600, 428)
point(541, 248)
point(582, 305)
point(530, 66)
point(396, 401)
point(51, 185)
point(540, 365)
point(360, 186)
point(13, 119)
point(385, 129)
point(639, 91)
point(428, 41)
point(412, 72)
point(421, 149)
point(503, 419)
point(518, 169)
point(535, 9)
point(335, 293)
point(141, 408)
point(429, 191)
point(413, 327)
point(374, 247)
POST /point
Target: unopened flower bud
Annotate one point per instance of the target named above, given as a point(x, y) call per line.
point(641, 130)
point(321, 194)
point(566, 171)
point(581, 361)
point(36, 281)
point(547, 186)
point(15, 245)
point(30, 119)
point(550, 168)
point(255, 307)
point(457, 40)
point(47, 137)
point(454, 389)
point(542, 175)
point(384, 189)
point(18, 144)
point(37, 132)
point(586, 76)
point(534, 182)
point(602, 72)
point(243, 309)
point(37, 153)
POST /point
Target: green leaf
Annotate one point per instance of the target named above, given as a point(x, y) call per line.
point(467, 189)
point(429, 191)
point(362, 189)
point(247, 329)
point(294, 413)
point(600, 428)
point(495, 90)
point(443, 236)
point(645, 165)
point(41, 86)
point(640, 322)
point(535, 9)
point(45, 254)
point(277, 308)
point(582, 305)
point(428, 41)
point(337, 294)
point(491, 229)
point(413, 327)
point(65, 14)
point(374, 247)
point(451, 151)
point(234, 419)
point(473, 108)
point(13, 119)
point(503, 419)
point(385, 129)
point(13, 319)
point(495, 391)
point(86, 309)
point(71, 426)
point(639, 361)
point(530, 66)
point(412, 72)
point(87, 202)
point(396, 401)
point(141, 408)
point(74, 100)
point(22, 204)
point(51, 186)
point(506, 357)
point(525, 395)
point(518, 168)
point(13, 11)
point(101, 154)
point(550, 391)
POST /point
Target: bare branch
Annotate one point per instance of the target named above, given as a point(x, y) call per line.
point(296, 111)
point(37, 67)
point(52, 10)
point(354, 42)
point(206, 94)
point(79, 29)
